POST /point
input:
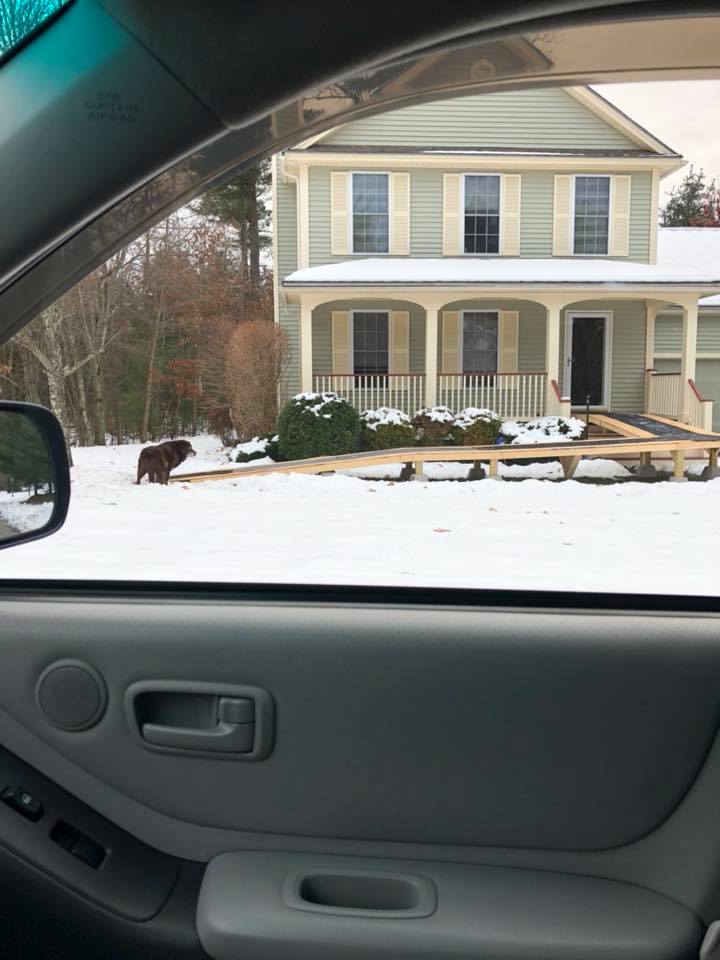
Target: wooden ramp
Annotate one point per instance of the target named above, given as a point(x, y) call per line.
point(569, 455)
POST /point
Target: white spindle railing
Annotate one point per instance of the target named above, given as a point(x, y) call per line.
point(700, 410)
point(513, 396)
point(368, 391)
point(664, 394)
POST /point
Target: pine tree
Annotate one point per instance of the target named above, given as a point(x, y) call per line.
point(242, 203)
point(686, 201)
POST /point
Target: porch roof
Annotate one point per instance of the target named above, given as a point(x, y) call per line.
point(688, 256)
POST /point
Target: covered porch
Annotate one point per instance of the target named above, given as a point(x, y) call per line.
point(523, 351)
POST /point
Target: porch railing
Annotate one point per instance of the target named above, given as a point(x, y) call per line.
point(514, 396)
point(669, 397)
point(366, 391)
point(699, 409)
point(663, 394)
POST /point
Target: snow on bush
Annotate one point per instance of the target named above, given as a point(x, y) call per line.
point(251, 450)
point(317, 425)
point(475, 426)
point(544, 430)
point(385, 428)
point(433, 425)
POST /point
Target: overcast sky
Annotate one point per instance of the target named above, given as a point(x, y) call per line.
point(682, 114)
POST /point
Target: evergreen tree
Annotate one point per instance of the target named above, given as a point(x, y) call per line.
point(687, 201)
point(242, 203)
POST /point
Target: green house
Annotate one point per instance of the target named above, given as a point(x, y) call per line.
point(498, 250)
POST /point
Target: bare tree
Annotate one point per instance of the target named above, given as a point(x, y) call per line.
point(257, 358)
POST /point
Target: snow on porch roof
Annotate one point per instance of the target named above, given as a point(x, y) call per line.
point(685, 256)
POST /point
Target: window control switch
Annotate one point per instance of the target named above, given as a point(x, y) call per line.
point(23, 803)
point(78, 844)
point(88, 851)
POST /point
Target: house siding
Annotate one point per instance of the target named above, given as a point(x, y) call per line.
point(546, 118)
point(426, 208)
point(288, 316)
point(531, 328)
point(668, 333)
point(322, 330)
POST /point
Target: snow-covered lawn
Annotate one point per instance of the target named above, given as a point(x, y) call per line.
point(660, 537)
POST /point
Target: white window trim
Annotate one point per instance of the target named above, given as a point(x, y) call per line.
point(352, 342)
point(480, 173)
point(351, 217)
point(570, 315)
point(611, 190)
point(461, 346)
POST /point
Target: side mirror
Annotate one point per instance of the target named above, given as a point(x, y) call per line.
point(34, 473)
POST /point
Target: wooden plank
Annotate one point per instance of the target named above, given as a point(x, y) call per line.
point(618, 426)
point(490, 453)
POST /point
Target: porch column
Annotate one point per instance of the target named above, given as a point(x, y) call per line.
point(689, 353)
point(650, 314)
point(553, 406)
point(306, 379)
point(431, 365)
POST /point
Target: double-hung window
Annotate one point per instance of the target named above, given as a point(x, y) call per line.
point(479, 341)
point(592, 215)
point(481, 225)
point(370, 213)
point(370, 342)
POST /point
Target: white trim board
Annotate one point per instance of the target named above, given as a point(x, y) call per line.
point(570, 316)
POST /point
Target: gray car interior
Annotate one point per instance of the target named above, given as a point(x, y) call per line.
point(238, 772)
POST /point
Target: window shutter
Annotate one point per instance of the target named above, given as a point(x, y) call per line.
point(399, 341)
point(619, 245)
point(510, 218)
point(341, 342)
point(450, 341)
point(400, 214)
point(339, 205)
point(561, 216)
point(508, 340)
point(451, 214)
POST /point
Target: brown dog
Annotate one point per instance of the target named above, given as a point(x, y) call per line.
point(157, 461)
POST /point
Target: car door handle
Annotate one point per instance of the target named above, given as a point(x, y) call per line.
point(202, 719)
point(223, 738)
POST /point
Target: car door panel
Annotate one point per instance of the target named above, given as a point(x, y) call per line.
point(578, 742)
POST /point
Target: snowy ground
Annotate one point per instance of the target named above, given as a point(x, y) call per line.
point(660, 537)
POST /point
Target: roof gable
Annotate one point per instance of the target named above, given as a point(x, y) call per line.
point(551, 118)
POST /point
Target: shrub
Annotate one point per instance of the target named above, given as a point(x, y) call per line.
point(544, 430)
point(255, 449)
point(317, 425)
point(433, 425)
point(475, 426)
point(385, 428)
point(257, 357)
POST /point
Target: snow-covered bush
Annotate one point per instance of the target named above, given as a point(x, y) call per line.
point(544, 430)
point(433, 425)
point(385, 428)
point(254, 449)
point(475, 426)
point(317, 425)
